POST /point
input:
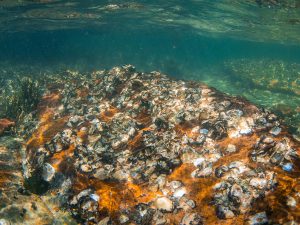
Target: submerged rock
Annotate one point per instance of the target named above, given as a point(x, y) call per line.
point(48, 172)
point(141, 148)
point(18, 205)
point(164, 204)
point(192, 219)
point(258, 219)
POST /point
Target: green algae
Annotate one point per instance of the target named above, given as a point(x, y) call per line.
point(19, 97)
point(274, 75)
point(273, 84)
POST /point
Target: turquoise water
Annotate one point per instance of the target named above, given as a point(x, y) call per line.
point(209, 41)
point(84, 152)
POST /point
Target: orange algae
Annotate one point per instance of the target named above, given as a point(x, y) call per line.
point(82, 92)
point(109, 114)
point(201, 189)
point(47, 126)
point(185, 128)
point(6, 177)
point(276, 202)
point(115, 196)
point(46, 131)
point(5, 123)
point(58, 158)
point(136, 142)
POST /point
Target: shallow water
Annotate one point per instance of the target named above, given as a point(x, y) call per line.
point(199, 40)
point(248, 48)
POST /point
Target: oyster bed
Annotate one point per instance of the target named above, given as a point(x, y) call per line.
point(123, 147)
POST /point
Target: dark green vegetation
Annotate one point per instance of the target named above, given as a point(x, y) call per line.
point(273, 84)
point(19, 97)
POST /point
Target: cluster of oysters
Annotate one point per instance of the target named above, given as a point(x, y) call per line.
point(124, 147)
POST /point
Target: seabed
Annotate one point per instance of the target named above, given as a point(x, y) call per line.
point(125, 147)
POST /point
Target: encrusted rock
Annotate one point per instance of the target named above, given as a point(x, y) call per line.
point(164, 204)
point(142, 148)
point(4, 222)
point(48, 172)
point(224, 212)
point(159, 218)
point(104, 221)
point(258, 219)
point(291, 202)
point(86, 168)
point(231, 148)
point(191, 219)
point(179, 192)
point(123, 219)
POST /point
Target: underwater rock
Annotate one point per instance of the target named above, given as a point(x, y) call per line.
point(191, 219)
point(4, 222)
point(179, 193)
point(164, 204)
point(258, 219)
point(48, 172)
point(159, 218)
point(131, 147)
point(123, 219)
point(18, 205)
point(231, 148)
point(275, 131)
point(291, 202)
point(287, 167)
point(224, 212)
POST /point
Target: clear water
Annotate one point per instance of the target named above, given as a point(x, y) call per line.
point(235, 46)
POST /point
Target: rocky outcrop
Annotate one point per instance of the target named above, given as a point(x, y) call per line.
point(18, 205)
point(125, 147)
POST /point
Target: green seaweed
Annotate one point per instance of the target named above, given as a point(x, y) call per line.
point(19, 97)
point(273, 84)
point(274, 75)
